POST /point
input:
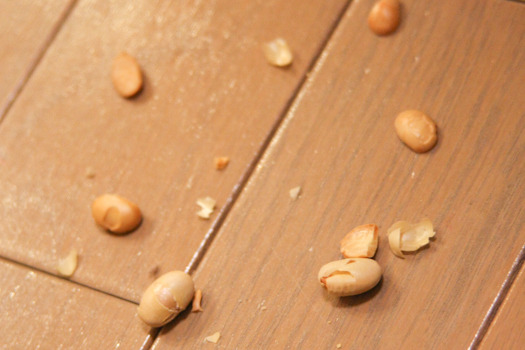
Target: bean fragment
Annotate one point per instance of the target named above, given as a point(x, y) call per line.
point(278, 53)
point(115, 213)
point(165, 298)
point(384, 17)
point(416, 130)
point(126, 75)
point(360, 242)
point(350, 276)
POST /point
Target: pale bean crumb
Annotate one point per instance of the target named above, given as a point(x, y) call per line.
point(66, 267)
point(214, 338)
point(207, 206)
point(278, 53)
point(338, 346)
point(263, 308)
point(221, 162)
point(329, 322)
point(295, 192)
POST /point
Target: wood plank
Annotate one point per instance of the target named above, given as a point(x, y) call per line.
point(25, 26)
point(507, 328)
point(45, 312)
point(209, 91)
point(462, 63)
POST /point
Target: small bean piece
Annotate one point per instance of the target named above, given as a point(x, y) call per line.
point(126, 75)
point(197, 299)
point(416, 130)
point(165, 298)
point(66, 267)
point(115, 213)
point(360, 242)
point(278, 53)
point(350, 276)
point(384, 17)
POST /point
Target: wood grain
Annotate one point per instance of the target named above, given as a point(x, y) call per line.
point(460, 62)
point(507, 328)
point(208, 92)
point(45, 312)
point(25, 26)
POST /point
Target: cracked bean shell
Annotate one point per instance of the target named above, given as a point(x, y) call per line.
point(350, 276)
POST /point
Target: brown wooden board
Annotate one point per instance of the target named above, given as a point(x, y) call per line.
point(506, 331)
point(208, 92)
point(45, 312)
point(462, 63)
point(25, 27)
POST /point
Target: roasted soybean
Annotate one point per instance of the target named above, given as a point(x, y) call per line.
point(126, 75)
point(416, 130)
point(165, 298)
point(115, 213)
point(384, 17)
point(350, 276)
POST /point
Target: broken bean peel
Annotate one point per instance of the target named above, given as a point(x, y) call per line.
point(404, 236)
point(165, 298)
point(126, 75)
point(67, 266)
point(116, 213)
point(360, 242)
point(416, 130)
point(384, 17)
point(350, 276)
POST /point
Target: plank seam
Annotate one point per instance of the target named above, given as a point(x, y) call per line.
point(247, 174)
point(498, 300)
point(14, 262)
point(245, 177)
point(22, 82)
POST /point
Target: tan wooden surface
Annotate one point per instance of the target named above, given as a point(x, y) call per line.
point(208, 92)
point(507, 327)
point(24, 28)
point(45, 312)
point(462, 63)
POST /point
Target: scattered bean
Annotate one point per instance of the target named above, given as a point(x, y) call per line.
point(165, 298)
point(360, 242)
point(350, 276)
point(278, 53)
point(384, 17)
point(416, 130)
point(126, 75)
point(115, 213)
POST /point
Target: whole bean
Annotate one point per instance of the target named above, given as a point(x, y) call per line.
point(384, 17)
point(126, 75)
point(416, 130)
point(350, 276)
point(165, 298)
point(115, 213)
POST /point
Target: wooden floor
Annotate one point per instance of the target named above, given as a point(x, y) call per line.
point(325, 124)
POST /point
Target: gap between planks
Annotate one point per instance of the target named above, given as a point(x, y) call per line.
point(246, 175)
point(498, 300)
point(22, 82)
